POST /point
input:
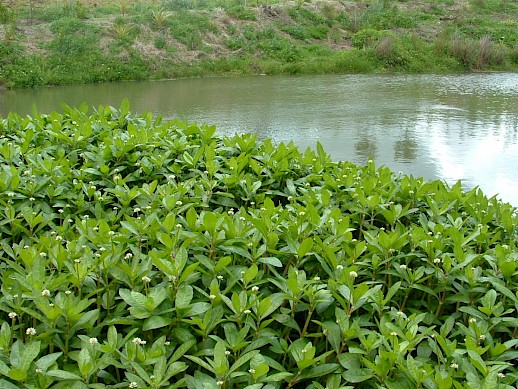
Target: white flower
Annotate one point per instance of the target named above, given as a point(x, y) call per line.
point(133, 384)
point(139, 341)
point(251, 371)
point(30, 331)
point(437, 261)
point(77, 260)
point(482, 337)
point(178, 225)
point(255, 289)
point(219, 383)
point(45, 293)
point(472, 320)
point(242, 218)
point(227, 352)
point(12, 315)
point(231, 212)
point(67, 292)
point(179, 203)
point(43, 254)
point(317, 278)
point(111, 233)
point(219, 277)
point(38, 371)
point(304, 351)
point(501, 375)
point(146, 279)
point(31, 199)
point(400, 314)
point(339, 267)
point(135, 210)
point(454, 366)
point(212, 296)
point(353, 274)
point(402, 267)
point(93, 341)
point(393, 333)
point(167, 343)
point(247, 311)
point(61, 210)
point(128, 256)
point(302, 213)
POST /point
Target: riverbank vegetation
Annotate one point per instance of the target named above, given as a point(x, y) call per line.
point(149, 254)
point(46, 42)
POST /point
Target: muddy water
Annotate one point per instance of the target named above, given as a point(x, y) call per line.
point(452, 127)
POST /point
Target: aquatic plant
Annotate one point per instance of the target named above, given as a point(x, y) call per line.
point(137, 252)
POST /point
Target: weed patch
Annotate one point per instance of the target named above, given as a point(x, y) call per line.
point(137, 252)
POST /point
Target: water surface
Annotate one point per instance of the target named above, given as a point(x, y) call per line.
point(451, 127)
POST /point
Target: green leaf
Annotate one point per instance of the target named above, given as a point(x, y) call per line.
point(7, 385)
point(181, 350)
point(220, 359)
point(183, 296)
point(47, 360)
point(154, 322)
point(269, 305)
point(17, 374)
point(357, 376)
point(276, 262)
point(305, 247)
point(250, 274)
point(320, 370)
point(64, 375)
point(84, 362)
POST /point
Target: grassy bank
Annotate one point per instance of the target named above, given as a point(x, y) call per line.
point(49, 43)
point(147, 254)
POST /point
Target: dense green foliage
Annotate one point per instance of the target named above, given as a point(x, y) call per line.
point(79, 42)
point(142, 253)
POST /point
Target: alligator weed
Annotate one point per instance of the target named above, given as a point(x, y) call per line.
point(143, 253)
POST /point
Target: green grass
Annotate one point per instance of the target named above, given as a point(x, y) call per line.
point(182, 39)
point(137, 252)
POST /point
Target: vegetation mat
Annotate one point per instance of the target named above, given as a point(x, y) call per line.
point(140, 253)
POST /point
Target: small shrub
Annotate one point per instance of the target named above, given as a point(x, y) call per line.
point(477, 54)
point(123, 32)
point(159, 18)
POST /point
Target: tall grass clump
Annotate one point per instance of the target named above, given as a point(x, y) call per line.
point(477, 54)
point(143, 253)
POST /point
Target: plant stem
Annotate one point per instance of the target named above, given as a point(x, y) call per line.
point(292, 382)
point(306, 324)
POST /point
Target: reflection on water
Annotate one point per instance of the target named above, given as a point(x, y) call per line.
point(436, 126)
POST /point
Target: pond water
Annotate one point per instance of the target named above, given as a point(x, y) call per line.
point(451, 127)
